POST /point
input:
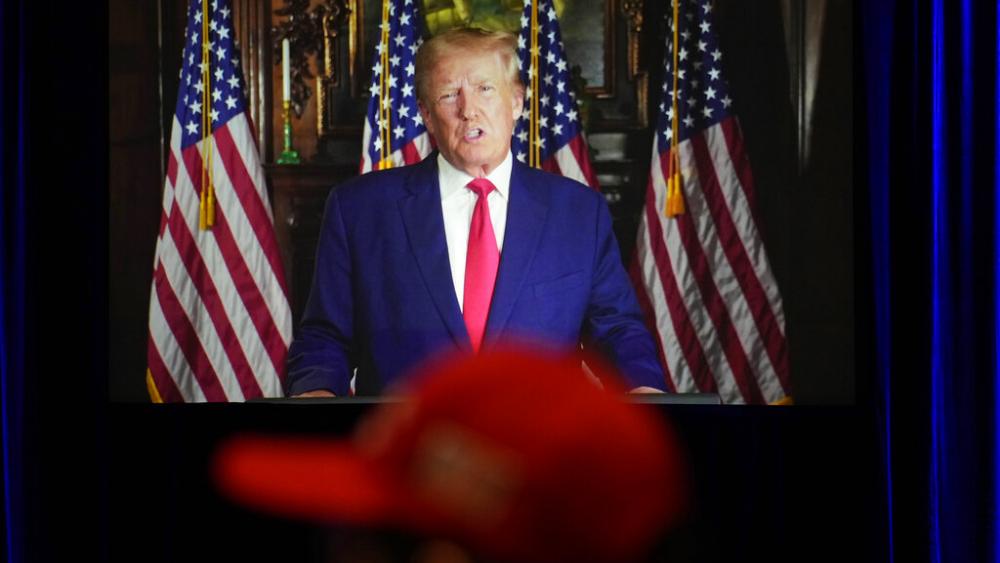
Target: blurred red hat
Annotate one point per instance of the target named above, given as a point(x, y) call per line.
point(514, 454)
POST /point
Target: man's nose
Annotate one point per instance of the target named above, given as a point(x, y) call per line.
point(466, 104)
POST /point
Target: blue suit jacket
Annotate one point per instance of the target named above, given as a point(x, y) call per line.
point(383, 301)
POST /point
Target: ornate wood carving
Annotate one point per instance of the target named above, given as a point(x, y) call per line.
point(632, 9)
point(340, 90)
point(311, 31)
point(252, 20)
point(299, 194)
point(633, 12)
point(334, 14)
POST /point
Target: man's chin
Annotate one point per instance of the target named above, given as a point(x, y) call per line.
point(476, 161)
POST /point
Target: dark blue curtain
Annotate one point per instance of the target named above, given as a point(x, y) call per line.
point(53, 278)
point(929, 109)
point(12, 259)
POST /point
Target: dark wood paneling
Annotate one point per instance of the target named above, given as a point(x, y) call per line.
point(299, 195)
point(135, 183)
point(820, 260)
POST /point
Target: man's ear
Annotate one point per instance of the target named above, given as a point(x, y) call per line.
point(425, 114)
point(517, 103)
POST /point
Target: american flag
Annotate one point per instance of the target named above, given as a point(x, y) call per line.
point(394, 133)
point(703, 275)
point(550, 122)
point(219, 320)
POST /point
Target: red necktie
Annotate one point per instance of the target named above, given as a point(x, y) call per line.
point(481, 262)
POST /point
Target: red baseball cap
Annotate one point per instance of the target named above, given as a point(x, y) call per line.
point(517, 455)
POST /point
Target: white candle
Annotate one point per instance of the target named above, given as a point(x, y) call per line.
point(286, 80)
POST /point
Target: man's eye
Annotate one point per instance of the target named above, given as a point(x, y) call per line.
point(486, 88)
point(448, 97)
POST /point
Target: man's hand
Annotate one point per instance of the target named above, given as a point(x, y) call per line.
point(314, 393)
point(645, 390)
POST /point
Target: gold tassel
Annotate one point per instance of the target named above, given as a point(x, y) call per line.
point(675, 192)
point(675, 202)
point(202, 212)
point(206, 207)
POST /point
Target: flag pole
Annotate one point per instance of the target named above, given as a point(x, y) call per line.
point(536, 134)
point(675, 198)
point(384, 112)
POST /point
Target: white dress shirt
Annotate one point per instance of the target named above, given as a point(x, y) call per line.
point(457, 204)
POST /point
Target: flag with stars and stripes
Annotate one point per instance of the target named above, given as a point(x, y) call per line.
point(548, 134)
point(700, 270)
point(394, 133)
point(219, 320)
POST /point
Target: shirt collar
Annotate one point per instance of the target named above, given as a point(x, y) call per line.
point(452, 179)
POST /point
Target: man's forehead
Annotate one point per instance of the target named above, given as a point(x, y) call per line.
point(474, 66)
point(476, 77)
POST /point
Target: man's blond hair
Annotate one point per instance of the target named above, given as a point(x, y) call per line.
point(455, 41)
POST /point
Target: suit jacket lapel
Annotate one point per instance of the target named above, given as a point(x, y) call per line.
point(421, 213)
point(526, 212)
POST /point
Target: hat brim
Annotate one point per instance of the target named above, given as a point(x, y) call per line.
point(307, 478)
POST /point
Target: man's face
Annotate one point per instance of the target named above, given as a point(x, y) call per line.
point(470, 108)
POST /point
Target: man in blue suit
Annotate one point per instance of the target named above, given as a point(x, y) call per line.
point(465, 250)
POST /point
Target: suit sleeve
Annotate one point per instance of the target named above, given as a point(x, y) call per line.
point(320, 355)
point(614, 321)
